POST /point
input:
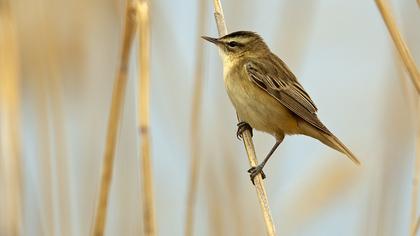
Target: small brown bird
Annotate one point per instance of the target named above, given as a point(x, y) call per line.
point(267, 95)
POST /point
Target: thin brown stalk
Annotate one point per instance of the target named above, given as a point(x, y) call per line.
point(246, 136)
point(399, 42)
point(144, 118)
point(195, 120)
point(10, 163)
point(114, 120)
point(415, 78)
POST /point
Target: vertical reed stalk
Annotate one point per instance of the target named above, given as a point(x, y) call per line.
point(118, 95)
point(10, 154)
point(144, 118)
point(195, 121)
point(415, 78)
point(399, 42)
point(249, 145)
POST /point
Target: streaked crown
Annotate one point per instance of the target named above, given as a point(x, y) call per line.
point(241, 43)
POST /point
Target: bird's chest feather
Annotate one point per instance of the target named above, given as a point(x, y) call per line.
point(255, 106)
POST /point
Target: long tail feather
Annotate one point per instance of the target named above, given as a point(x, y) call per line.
point(328, 139)
point(335, 143)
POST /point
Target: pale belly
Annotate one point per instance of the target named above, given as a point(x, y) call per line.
point(259, 109)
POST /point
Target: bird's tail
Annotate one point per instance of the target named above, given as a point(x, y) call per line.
point(328, 139)
point(335, 143)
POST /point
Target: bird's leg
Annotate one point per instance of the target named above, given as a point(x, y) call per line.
point(254, 171)
point(242, 126)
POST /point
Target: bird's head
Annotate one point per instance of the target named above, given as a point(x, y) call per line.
point(240, 44)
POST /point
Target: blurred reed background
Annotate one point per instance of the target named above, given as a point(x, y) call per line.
point(58, 64)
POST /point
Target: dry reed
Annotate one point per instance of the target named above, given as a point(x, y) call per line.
point(195, 121)
point(144, 117)
point(10, 163)
point(118, 95)
point(415, 78)
point(247, 139)
point(399, 42)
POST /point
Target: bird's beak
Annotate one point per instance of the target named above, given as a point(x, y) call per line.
point(211, 40)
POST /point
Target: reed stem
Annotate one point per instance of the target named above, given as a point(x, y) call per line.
point(246, 136)
point(399, 42)
point(118, 95)
point(410, 65)
point(144, 118)
point(10, 143)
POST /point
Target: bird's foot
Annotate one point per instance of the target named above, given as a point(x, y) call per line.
point(242, 126)
point(256, 170)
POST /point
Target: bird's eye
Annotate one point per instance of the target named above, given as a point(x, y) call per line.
point(233, 44)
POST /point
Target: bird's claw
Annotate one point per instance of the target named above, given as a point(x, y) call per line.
point(242, 126)
point(254, 171)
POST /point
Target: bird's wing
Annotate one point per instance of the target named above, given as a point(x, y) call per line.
point(276, 79)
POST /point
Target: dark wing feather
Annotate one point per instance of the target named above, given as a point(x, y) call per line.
point(276, 79)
